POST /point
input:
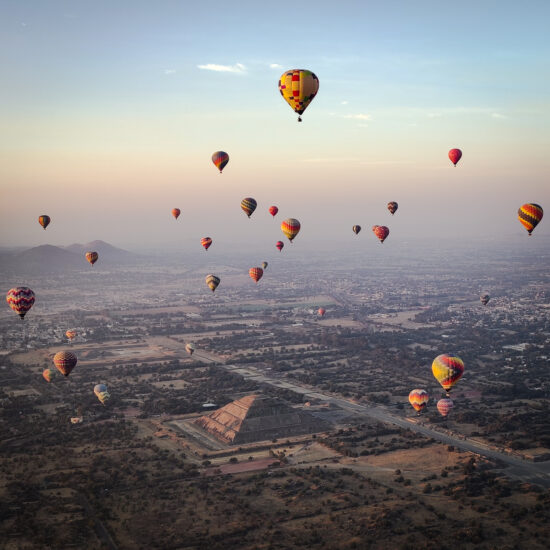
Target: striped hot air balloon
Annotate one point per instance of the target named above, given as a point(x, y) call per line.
point(206, 242)
point(444, 406)
point(298, 88)
point(212, 281)
point(455, 155)
point(530, 215)
point(392, 207)
point(176, 212)
point(256, 273)
point(48, 374)
point(381, 231)
point(249, 205)
point(447, 370)
point(220, 160)
point(273, 210)
point(419, 399)
point(20, 299)
point(65, 361)
point(44, 221)
point(290, 227)
point(92, 257)
point(279, 245)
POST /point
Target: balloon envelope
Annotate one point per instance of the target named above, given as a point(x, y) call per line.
point(20, 299)
point(484, 299)
point(176, 212)
point(48, 374)
point(92, 257)
point(206, 242)
point(256, 273)
point(290, 227)
point(264, 265)
point(273, 210)
point(455, 155)
point(530, 215)
point(189, 348)
point(70, 334)
point(419, 399)
point(212, 281)
point(279, 245)
point(356, 229)
point(298, 88)
point(220, 160)
point(445, 405)
point(98, 388)
point(392, 207)
point(249, 205)
point(65, 361)
point(321, 311)
point(447, 370)
point(381, 231)
point(44, 220)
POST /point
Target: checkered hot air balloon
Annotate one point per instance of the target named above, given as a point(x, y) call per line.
point(20, 299)
point(298, 88)
point(530, 215)
point(65, 362)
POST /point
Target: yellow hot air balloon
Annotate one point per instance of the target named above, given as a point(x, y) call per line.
point(447, 370)
point(298, 88)
point(212, 281)
point(290, 227)
point(419, 399)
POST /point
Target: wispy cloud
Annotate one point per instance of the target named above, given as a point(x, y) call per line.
point(237, 68)
point(275, 66)
point(498, 115)
point(359, 116)
point(169, 71)
point(343, 102)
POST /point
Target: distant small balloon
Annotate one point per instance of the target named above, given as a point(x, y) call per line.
point(530, 215)
point(176, 212)
point(190, 348)
point(212, 281)
point(206, 242)
point(92, 257)
point(70, 334)
point(249, 205)
point(256, 273)
point(290, 227)
point(381, 231)
point(220, 160)
point(273, 210)
point(44, 221)
point(447, 370)
point(264, 265)
point(279, 245)
point(48, 374)
point(484, 299)
point(392, 207)
point(356, 229)
point(321, 311)
point(419, 399)
point(455, 155)
point(444, 406)
point(65, 362)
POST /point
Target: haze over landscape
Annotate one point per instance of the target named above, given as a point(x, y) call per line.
point(274, 412)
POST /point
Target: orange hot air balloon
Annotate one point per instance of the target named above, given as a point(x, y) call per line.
point(279, 245)
point(455, 155)
point(48, 374)
point(321, 311)
point(70, 334)
point(290, 227)
point(419, 399)
point(530, 215)
point(206, 242)
point(273, 210)
point(190, 348)
point(444, 406)
point(381, 231)
point(65, 361)
point(176, 212)
point(256, 273)
point(220, 160)
point(44, 221)
point(447, 370)
point(92, 257)
point(392, 207)
point(20, 299)
point(249, 205)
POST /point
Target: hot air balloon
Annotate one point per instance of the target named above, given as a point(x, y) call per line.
point(381, 231)
point(419, 399)
point(102, 393)
point(249, 205)
point(298, 88)
point(176, 212)
point(321, 311)
point(273, 210)
point(445, 405)
point(290, 227)
point(264, 265)
point(279, 245)
point(44, 221)
point(65, 361)
point(189, 348)
point(356, 229)
point(70, 334)
point(530, 215)
point(212, 281)
point(256, 273)
point(484, 299)
point(98, 388)
point(48, 374)
point(220, 159)
point(455, 155)
point(20, 299)
point(447, 370)
point(392, 207)
point(92, 257)
point(206, 242)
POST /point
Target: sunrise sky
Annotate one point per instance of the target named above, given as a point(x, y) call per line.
point(110, 112)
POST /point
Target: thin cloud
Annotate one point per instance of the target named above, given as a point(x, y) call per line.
point(359, 116)
point(275, 66)
point(238, 68)
point(498, 115)
point(343, 102)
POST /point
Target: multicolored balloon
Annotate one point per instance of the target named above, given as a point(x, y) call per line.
point(455, 155)
point(484, 299)
point(273, 210)
point(392, 207)
point(206, 242)
point(102, 393)
point(44, 221)
point(70, 334)
point(220, 160)
point(530, 215)
point(298, 88)
point(48, 374)
point(249, 205)
point(356, 229)
point(445, 405)
point(98, 388)
point(381, 231)
point(256, 273)
point(65, 361)
point(212, 281)
point(419, 399)
point(92, 257)
point(447, 370)
point(321, 311)
point(190, 348)
point(290, 227)
point(20, 299)
point(264, 265)
point(176, 212)
point(279, 245)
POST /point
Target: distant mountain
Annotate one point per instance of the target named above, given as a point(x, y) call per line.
point(105, 250)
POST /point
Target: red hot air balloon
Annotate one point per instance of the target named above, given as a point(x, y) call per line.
point(44, 220)
point(206, 242)
point(455, 155)
point(273, 210)
point(392, 207)
point(444, 406)
point(321, 311)
point(92, 257)
point(280, 245)
point(381, 231)
point(65, 361)
point(20, 299)
point(176, 212)
point(256, 273)
point(220, 159)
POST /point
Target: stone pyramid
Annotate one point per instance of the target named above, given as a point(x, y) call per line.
point(258, 418)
